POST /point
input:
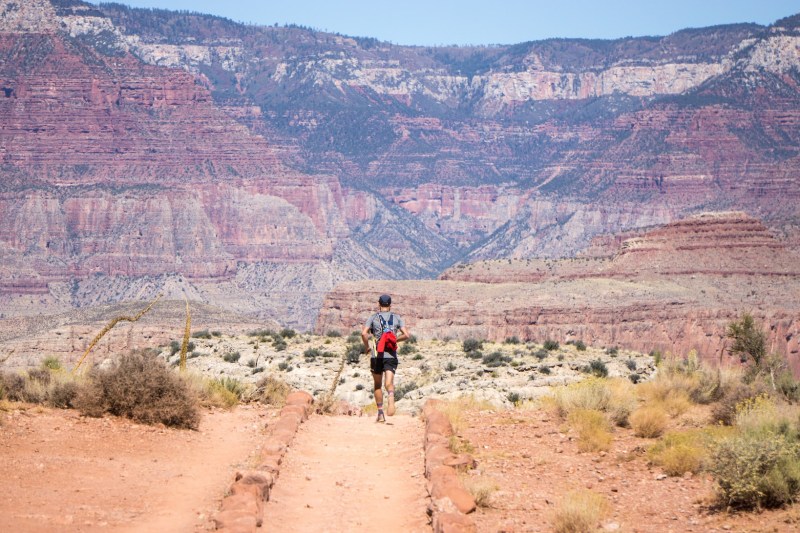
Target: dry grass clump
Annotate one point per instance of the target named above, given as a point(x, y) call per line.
point(271, 391)
point(679, 452)
point(594, 434)
point(42, 385)
point(455, 410)
point(481, 489)
point(459, 444)
point(579, 512)
point(139, 386)
point(649, 421)
point(224, 392)
point(616, 397)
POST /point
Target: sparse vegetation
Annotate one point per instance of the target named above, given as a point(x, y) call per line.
point(202, 334)
point(648, 422)
point(287, 333)
point(550, 345)
point(471, 345)
point(496, 359)
point(271, 391)
point(406, 349)
point(594, 434)
point(579, 512)
point(140, 387)
point(231, 357)
point(511, 340)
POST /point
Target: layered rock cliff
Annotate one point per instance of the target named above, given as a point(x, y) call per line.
point(146, 150)
point(672, 289)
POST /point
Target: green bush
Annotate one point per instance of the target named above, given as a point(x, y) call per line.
point(355, 336)
point(513, 397)
point(52, 363)
point(278, 343)
point(550, 345)
point(412, 339)
point(749, 339)
point(354, 351)
point(471, 345)
point(283, 365)
point(261, 333)
point(597, 368)
point(541, 354)
point(405, 388)
point(406, 349)
point(288, 333)
point(334, 333)
point(202, 334)
point(496, 359)
point(312, 353)
point(140, 387)
point(174, 347)
point(545, 370)
point(580, 346)
point(756, 470)
point(450, 366)
point(231, 357)
point(511, 340)
point(613, 351)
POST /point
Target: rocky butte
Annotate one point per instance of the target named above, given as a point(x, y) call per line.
point(253, 169)
point(673, 288)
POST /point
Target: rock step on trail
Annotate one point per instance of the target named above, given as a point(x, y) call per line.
point(351, 474)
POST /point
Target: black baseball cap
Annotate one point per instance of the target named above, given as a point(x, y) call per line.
point(385, 300)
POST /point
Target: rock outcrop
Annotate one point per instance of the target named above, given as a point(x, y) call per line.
point(672, 289)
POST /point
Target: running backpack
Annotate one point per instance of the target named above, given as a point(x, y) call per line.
point(387, 342)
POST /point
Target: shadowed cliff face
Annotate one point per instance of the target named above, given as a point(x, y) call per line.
point(145, 151)
point(673, 289)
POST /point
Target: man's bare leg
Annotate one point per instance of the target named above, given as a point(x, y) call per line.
point(378, 391)
point(389, 375)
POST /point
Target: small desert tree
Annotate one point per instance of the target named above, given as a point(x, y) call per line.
point(749, 340)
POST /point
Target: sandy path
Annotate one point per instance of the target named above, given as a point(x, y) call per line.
point(351, 474)
point(63, 472)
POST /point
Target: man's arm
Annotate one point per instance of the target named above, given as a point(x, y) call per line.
point(365, 338)
point(404, 336)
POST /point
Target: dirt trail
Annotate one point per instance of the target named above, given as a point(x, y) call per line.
point(64, 472)
point(351, 474)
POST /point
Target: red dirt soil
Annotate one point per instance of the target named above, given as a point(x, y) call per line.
point(65, 472)
point(532, 460)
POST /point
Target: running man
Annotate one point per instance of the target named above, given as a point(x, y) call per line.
point(383, 326)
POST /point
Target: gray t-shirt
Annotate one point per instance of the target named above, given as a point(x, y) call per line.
point(373, 324)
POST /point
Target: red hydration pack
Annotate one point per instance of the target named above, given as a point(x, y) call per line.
point(388, 340)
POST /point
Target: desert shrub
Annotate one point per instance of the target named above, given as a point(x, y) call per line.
point(312, 353)
point(417, 357)
point(622, 401)
point(360, 387)
point(406, 349)
point(403, 389)
point(355, 336)
point(544, 369)
point(174, 347)
point(657, 356)
point(458, 444)
point(579, 512)
point(216, 334)
point(634, 378)
point(648, 422)
point(495, 359)
point(257, 370)
point(283, 365)
point(541, 355)
point(630, 364)
point(279, 343)
point(550, 345)
point(580, 346)
point(513, 397)
point(724, 411)
point(140, 387)
point(271, 391)
point(755, 470)
point(749, 339)
point(287, 333)
point(52, 363)
point(252, 363)
point(202, 334)
point(613, 351)
point(598, 368)
point(763, 415)
point(471, 345)
point(481, 490)
point(231, 357)
point(334, 333)
point(63, 392)
point(593, 430)
point(412, 339)
point(39, 375)
point(353, 351)
point(590, 394)
point(13, 386)
point(450, 366)
point(511, 340)
point(222, 392)
point(679, 452)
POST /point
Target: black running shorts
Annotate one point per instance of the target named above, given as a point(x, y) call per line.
point(381, 364)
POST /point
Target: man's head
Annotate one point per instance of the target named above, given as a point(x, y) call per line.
point(385, 300)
